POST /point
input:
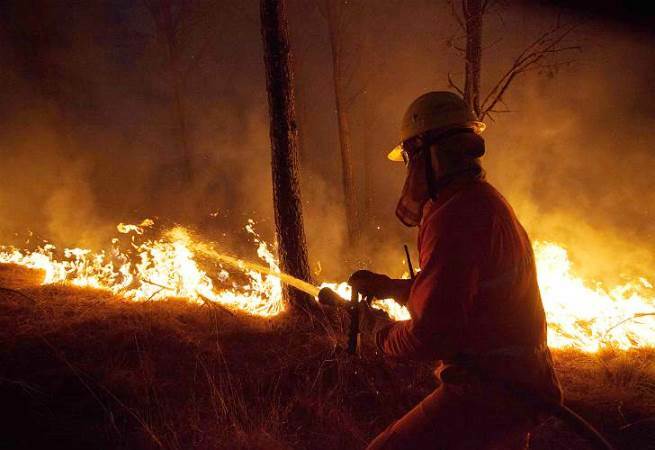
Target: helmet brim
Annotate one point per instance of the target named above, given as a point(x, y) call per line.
point(396, 154)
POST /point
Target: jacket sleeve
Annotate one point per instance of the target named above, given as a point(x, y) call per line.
point(440, 297)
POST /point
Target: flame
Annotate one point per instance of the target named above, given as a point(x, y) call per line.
point(587, 317)
point(138, 229)
point(582, 315)
point(158, 269)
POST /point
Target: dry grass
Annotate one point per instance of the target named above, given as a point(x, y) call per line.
point(82, 369)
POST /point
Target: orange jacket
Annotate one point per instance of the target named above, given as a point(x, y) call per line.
point(476, 296)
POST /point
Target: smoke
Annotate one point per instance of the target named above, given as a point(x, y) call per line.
point(88, 133)
point(575, 158)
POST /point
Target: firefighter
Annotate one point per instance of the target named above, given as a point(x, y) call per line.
point(475, 305)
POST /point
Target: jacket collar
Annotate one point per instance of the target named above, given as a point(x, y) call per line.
point(448, 191)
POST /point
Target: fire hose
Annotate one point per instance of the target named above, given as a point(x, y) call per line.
point(326, 296)
point(580, 426)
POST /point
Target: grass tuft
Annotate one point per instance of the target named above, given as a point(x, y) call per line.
point(81, 369)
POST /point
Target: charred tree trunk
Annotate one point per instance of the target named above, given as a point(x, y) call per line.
point(473, 11)
point(343, 120)
point(302, 95)
point(292, 248)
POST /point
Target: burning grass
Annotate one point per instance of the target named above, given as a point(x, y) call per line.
point(583, 314)
point(84, 369)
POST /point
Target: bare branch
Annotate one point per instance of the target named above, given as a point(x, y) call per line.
point(501, 111)
point(455, 13)
point(486, 4)
point(562, 49)
point(501, 92)
point(452, 84)
point(493, 44)
point(451, 43)
point(356, 95)
point(547, 44)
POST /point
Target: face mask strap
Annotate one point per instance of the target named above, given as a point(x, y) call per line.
point(430, 174)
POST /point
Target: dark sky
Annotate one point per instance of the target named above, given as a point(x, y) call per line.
point(635, 13)
point(88, 135)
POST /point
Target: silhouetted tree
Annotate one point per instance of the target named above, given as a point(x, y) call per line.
point(473, 10)
point(356, 62)
point(292, 247)
point(334, 14)
point(540, 54)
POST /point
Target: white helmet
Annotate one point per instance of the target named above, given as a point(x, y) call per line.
point(433, 111)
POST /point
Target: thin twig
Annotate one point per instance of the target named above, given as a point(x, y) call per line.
point(455, 14)
point(153, 294)
point(493, 44)
point(213, 304)
point(545, 45)
point(356, 95)
point(633, 317)
point(452, 84)
point(486, 4)
point(159, 285)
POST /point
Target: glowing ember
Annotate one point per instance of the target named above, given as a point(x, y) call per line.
point(580, 315)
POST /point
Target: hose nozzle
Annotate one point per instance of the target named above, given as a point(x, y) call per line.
point(328, 297)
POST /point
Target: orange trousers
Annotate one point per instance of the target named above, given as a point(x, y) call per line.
point(471, 416)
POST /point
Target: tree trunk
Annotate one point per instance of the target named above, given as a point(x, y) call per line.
point(292, 248)
point(343, 120)
point(302, 96)
point(473, 20)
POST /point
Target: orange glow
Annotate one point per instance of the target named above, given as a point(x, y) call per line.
point(581, 314)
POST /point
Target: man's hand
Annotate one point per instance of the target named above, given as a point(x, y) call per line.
point(372, 320)
point(371, 284)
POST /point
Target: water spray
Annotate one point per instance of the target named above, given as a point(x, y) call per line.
point(325, 295)
point(240, 264)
